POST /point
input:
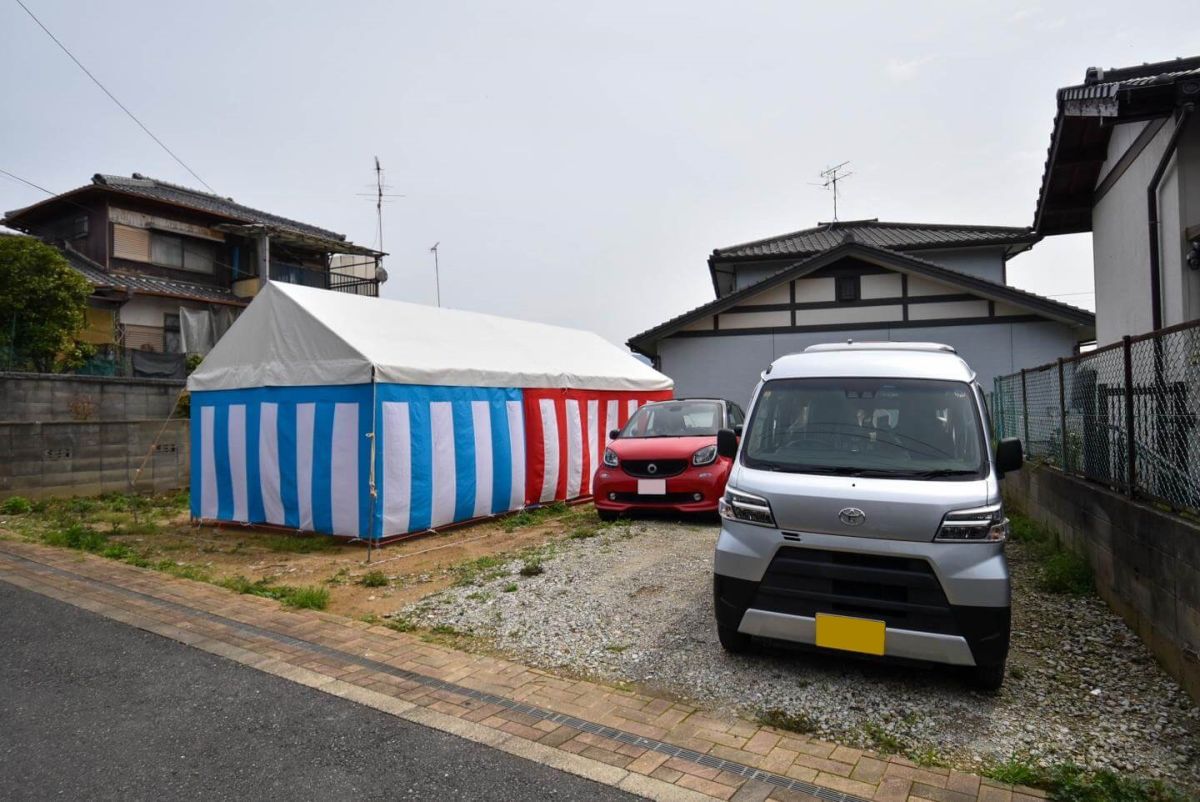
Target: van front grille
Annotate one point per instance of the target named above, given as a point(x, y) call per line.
point(902, 591)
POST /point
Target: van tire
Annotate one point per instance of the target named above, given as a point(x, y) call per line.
point(733, 641)
point(608, 515)
point(988, 678)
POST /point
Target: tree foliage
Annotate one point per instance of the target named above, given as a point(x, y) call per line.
point(43, 304)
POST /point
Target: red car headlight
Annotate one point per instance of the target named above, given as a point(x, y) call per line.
point(705, 456)
point(610, 458)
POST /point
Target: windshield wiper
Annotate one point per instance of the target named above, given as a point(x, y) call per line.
point(938, 473)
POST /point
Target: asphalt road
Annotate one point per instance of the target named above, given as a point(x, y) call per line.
point(94, 709)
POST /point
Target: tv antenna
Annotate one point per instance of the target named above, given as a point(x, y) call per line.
point(437, 281)
point(379, 196)
point(830, 177)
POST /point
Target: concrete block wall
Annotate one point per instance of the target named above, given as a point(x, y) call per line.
point(61, 397)
point(1146, 562)
point(66, 458)
point(84, 435)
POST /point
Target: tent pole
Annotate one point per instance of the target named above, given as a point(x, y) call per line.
point(371, 470)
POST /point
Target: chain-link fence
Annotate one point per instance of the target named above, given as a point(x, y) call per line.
point(1124, 415)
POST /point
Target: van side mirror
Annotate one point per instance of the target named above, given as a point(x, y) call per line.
point(612, 435)
point(1010, 456)
point(738, 430)
point(727, 443)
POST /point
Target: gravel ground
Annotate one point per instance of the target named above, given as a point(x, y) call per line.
point(633, 604)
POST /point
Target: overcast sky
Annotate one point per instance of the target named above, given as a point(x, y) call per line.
point(576, 161)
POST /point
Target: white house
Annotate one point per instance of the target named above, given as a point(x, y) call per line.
point(1124, 164)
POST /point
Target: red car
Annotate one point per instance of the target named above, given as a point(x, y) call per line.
point(665, 458)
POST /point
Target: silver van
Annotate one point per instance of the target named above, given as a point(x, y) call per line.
point(863, 510)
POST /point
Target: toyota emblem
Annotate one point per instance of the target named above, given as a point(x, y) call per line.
point(651, 468)
point(852, 516)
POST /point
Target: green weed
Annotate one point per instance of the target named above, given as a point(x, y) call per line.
point(76, 536)
point(373, 579)
point(16, 505)
point(534, 516)
point(1068, 573)
point(1069, 783)
point(481, 569)
point(532, 568)
point(511, 587)
point(400, 624)
point(307, 598)
point(884, 741)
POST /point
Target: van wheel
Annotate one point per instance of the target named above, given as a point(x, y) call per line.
point(608, 515)
point(988, 678)
point(733, 641)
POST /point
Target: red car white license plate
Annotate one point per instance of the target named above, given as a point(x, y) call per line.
point(652, 487)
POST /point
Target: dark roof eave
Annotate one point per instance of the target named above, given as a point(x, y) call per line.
point(1023, 242)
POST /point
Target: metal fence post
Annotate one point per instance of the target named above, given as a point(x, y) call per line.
point(1025, 409)
point(1130, 440)
point(1062, 415)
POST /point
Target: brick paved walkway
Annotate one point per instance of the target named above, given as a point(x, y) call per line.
point(642, 744)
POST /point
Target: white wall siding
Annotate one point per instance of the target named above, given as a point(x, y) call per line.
point(814, 290)
point(780, 294)
point(918, 285)
point(755, 320)
point(949, 309)
point(885, 285)
point(849, 315)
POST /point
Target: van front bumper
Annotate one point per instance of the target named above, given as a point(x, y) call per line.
point(941, 602)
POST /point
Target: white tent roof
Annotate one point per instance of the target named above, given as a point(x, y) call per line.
point(291, 335)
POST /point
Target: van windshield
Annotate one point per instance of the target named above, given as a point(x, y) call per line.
point(902, 428)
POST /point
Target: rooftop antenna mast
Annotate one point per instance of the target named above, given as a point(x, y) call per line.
point(437, 281)
point(378, 194)
point(830, 177)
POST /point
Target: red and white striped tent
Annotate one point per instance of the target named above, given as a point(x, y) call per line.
point(360, 416)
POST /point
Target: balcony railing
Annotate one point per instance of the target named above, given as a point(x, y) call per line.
point(337, 280)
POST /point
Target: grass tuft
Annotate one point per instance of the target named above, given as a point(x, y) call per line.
point(534, 516)
point(1067, 573)
point(532, 567)
point(16, 505)
point(1069, 783)
point(76, 536)
point(374, 579)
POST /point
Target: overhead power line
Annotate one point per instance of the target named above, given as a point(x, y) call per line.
point(113, 97)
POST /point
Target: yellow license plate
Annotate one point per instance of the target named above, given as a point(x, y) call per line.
point(850, 634)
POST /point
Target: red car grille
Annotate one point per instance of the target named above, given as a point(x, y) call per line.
point(661, 467)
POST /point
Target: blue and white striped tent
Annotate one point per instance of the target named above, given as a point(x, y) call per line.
point(362, 417)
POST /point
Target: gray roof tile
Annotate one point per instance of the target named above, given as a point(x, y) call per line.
point(894, 236)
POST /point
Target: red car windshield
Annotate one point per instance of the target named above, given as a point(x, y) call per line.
point(675, 419)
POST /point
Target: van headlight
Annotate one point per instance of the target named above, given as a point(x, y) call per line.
point(705, 455)
point(977, 525)
point(738, 506)
point(610, 458)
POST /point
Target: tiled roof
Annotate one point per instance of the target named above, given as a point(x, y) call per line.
point(894, 236)
point(98, 277)
point(152, 188)
point(903, 262)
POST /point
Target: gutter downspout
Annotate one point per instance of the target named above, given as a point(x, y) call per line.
point(1152, 216)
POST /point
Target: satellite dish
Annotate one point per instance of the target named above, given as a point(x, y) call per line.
point(381, 275)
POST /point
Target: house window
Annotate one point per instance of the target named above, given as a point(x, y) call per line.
point(182, 253)
point(849, 288)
